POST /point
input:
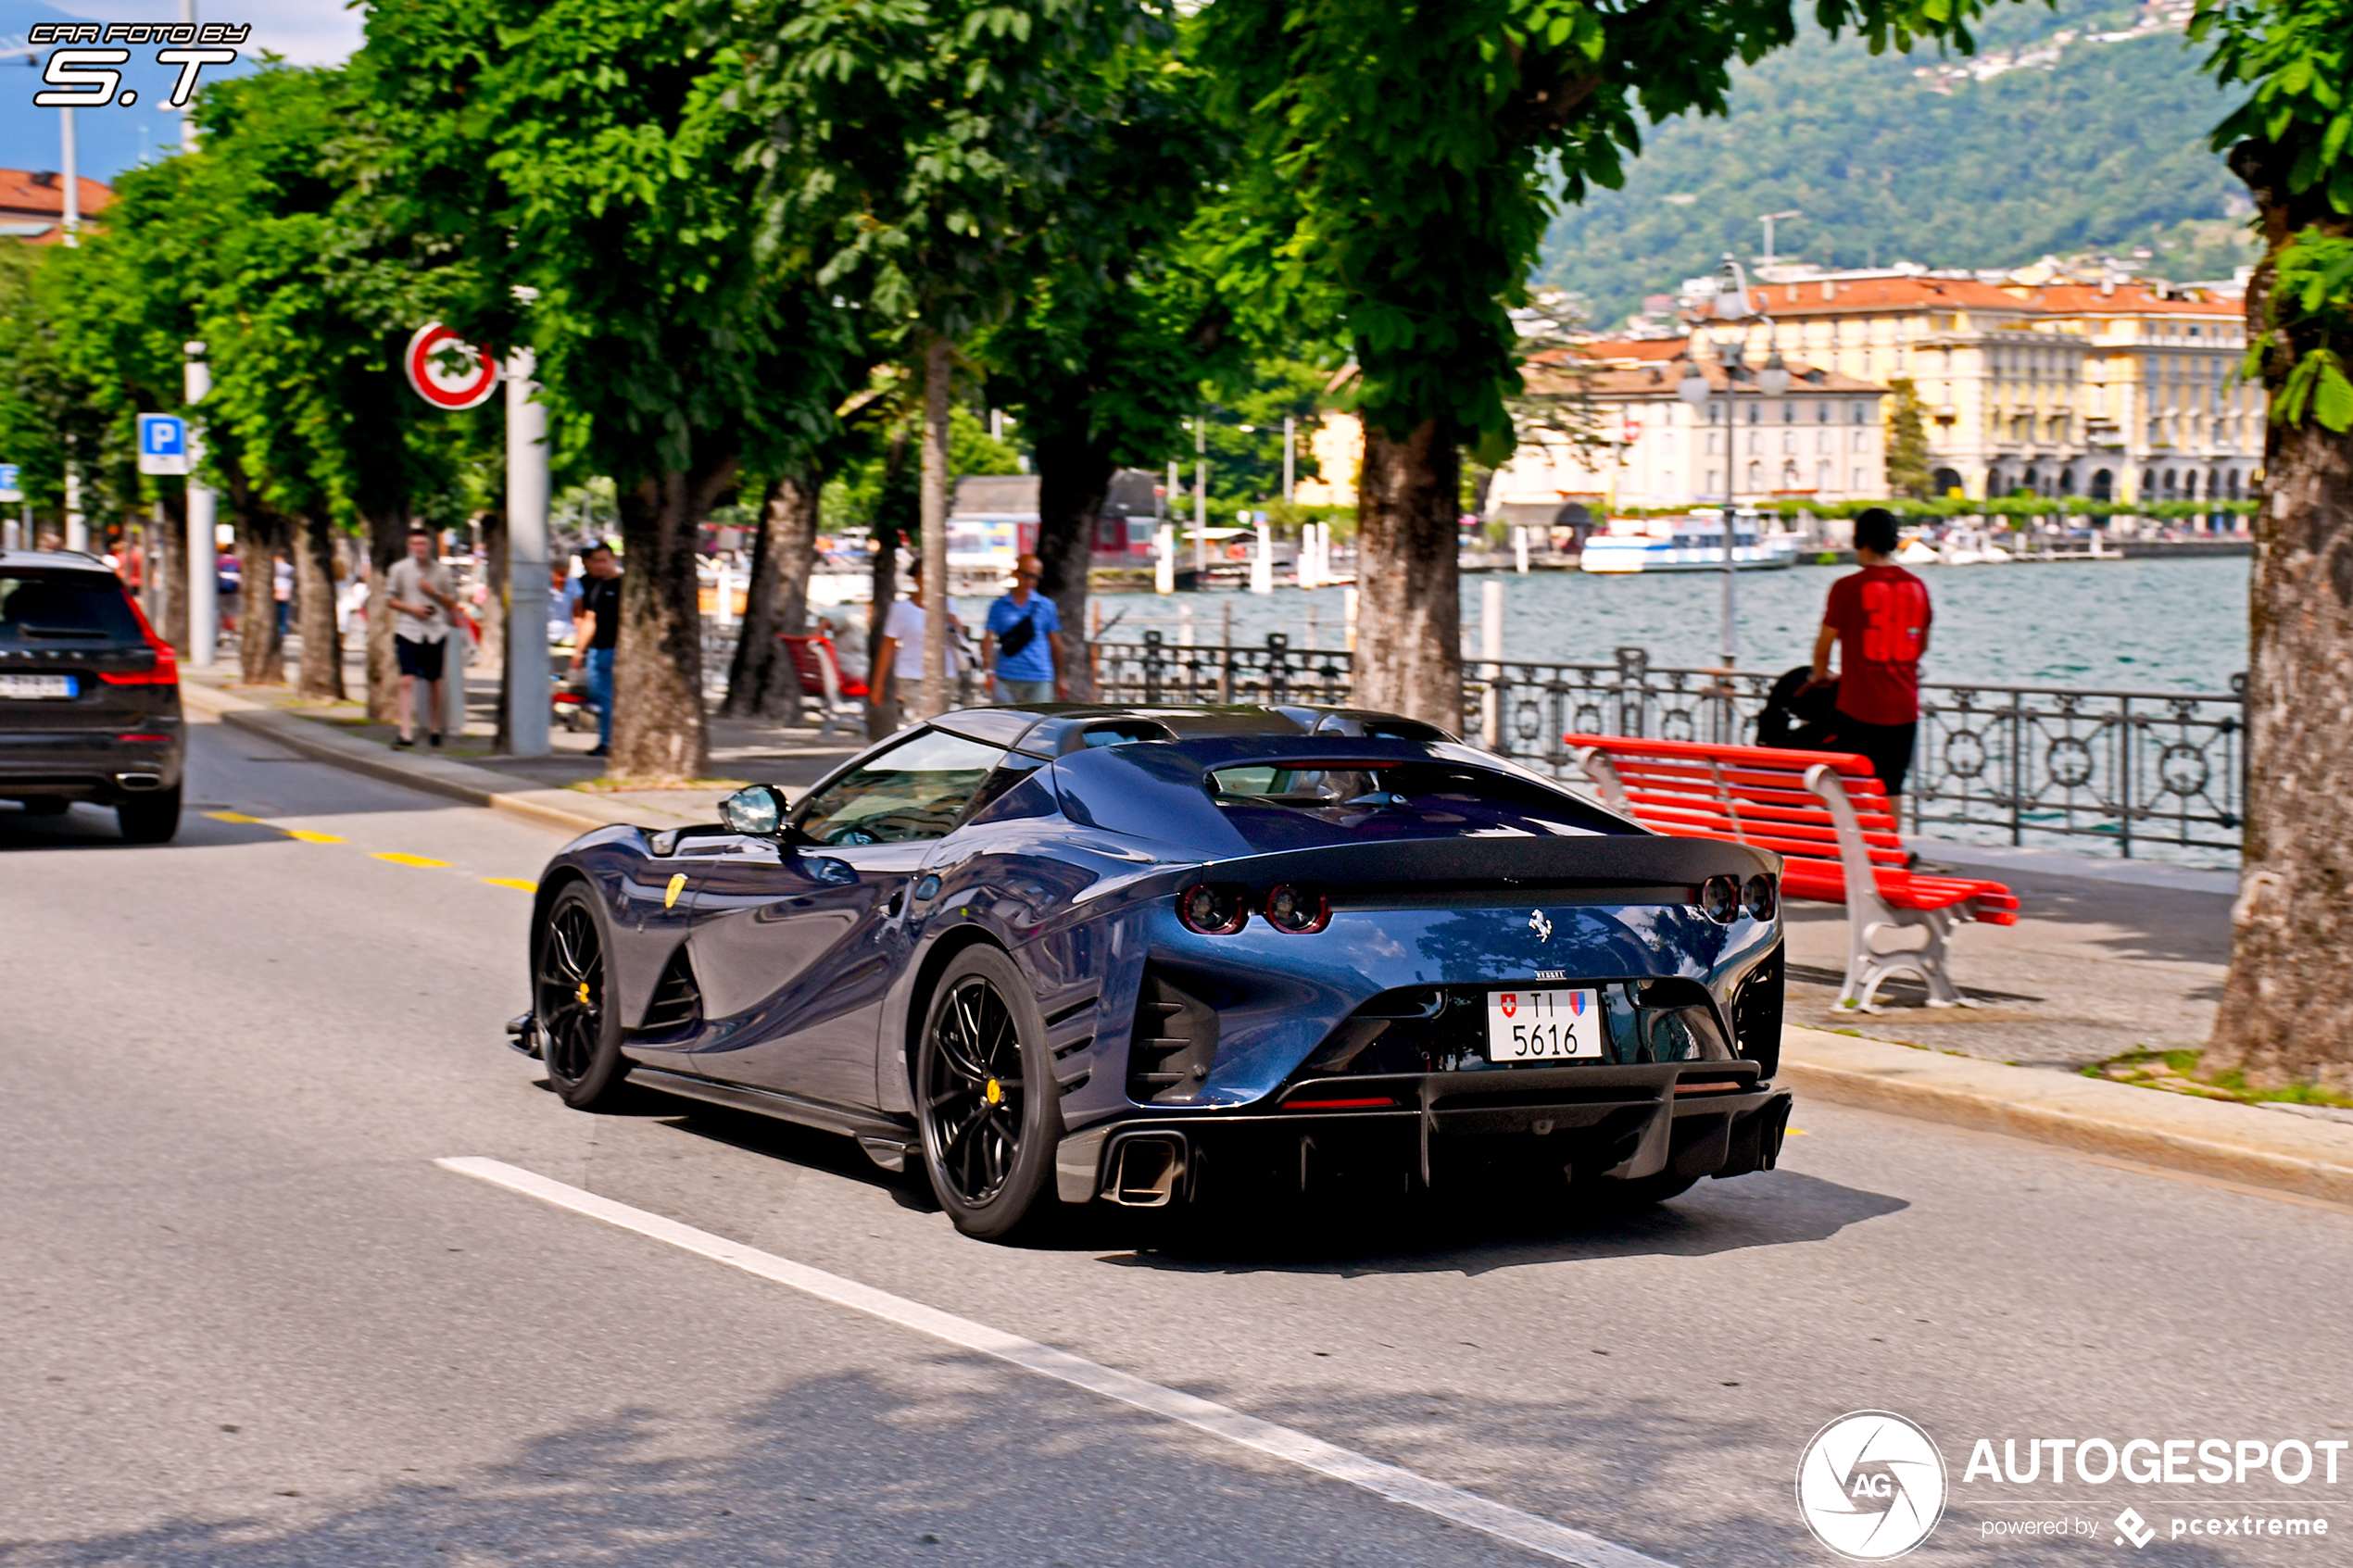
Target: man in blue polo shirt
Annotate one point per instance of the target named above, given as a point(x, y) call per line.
point(1024, 645)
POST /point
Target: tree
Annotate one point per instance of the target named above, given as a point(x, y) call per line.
point(1907, 458)
point(597, 154)
point(2284, 1017)
point(1398, 171)
point(1105, 357)
point(914, 149)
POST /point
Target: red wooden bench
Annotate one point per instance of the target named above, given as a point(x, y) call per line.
point(840, 699)
point(1828, 817)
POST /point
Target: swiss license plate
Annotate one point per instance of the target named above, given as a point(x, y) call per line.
point(36, 685)
point(1543, 1025)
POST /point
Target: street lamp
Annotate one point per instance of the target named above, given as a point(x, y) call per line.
point(1731, 303)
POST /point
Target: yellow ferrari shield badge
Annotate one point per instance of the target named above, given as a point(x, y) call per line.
point(670, 894)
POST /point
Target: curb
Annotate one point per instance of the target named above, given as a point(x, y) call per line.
point(2216, 1139)
point(560, 809)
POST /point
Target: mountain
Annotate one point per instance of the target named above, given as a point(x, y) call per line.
point(2087, 133)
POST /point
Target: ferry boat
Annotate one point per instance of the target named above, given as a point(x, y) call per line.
point(1688, 543)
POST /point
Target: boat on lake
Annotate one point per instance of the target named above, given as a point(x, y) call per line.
point(1687, 544)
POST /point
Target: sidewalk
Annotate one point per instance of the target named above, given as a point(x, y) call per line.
point(566, 790)
point(2106, 956)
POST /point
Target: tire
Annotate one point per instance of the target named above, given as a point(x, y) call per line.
point(580, 1031)
point(46, 805)
point(987, 1137)
point(150, 819)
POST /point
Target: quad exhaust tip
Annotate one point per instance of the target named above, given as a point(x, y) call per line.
point(1145, 1170)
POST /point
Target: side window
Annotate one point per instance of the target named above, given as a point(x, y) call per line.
point(917, 789)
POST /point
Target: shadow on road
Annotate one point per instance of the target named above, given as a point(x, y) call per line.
point(951, 1458)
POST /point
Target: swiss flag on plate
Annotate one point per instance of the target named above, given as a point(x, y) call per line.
point(1510, 1003)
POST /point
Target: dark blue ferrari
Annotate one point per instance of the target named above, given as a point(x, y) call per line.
point(1144, 955)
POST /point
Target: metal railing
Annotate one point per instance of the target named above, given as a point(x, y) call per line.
point(2130, 769)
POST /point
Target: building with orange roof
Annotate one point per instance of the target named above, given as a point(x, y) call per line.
point(2110, 389)
point(1642, 445)
point(32, 204)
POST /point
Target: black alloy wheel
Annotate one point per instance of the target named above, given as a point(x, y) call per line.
point(986, 1094)
point(580, 1031)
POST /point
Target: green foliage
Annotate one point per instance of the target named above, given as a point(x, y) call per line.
point(600, 152)
point(2105, 148)
point(2313, 303)
point(1248, 464)
point(2298, 55)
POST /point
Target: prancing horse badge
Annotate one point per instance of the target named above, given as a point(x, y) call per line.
point(1540, 926)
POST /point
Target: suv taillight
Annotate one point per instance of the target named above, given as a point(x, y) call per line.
point(166, 669)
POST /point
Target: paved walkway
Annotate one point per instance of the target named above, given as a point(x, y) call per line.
point(2096, 966)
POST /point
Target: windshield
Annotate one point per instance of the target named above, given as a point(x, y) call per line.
point(64, 608)
point(1287, 807)
point(917, 789)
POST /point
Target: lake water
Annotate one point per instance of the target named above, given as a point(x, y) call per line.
point(2176, 625)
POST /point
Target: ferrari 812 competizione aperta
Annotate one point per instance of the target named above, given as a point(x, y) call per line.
point(1143, 956)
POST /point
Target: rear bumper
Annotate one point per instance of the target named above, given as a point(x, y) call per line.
point(84, 765)
point(1694, 1118)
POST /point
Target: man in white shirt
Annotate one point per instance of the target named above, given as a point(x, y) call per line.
point(422, 597)
point(899, 654)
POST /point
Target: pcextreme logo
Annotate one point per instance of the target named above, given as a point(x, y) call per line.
point(1871, 1486)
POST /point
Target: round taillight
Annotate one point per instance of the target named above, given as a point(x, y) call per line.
point(1719, 899)
point(1760, 898)
point(1299, 910)
point(1213, 908)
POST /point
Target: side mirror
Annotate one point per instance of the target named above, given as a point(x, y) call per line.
point(756, 810)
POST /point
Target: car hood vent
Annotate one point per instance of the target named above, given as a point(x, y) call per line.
point(1174, 1044)
point(677, 1001)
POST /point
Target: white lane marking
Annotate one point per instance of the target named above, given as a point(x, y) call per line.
point(1538, 1534)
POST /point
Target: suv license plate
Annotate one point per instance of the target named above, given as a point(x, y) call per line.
point(1543, 1025)
point(36, 685)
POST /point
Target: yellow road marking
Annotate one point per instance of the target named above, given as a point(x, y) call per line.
point(670, 894)
point(1798, 1132)
point(399, 859)
point(307, 836)
point(514, 882)
point(236, 817)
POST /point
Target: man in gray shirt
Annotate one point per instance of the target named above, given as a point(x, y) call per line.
point(422, 599)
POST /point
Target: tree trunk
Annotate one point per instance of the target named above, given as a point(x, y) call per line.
point(1409, 618)
point(321, 677)
point(261, 535)
point(388, 541)
point(762, 681)
point(884, 576)
point(938, 693)
point(658, 732)
point(171, 573)
point(2285, 1016)
point(1074, 475)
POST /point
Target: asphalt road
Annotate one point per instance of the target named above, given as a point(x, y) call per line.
point(245, 1317)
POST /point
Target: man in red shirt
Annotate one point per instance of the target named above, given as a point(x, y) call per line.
point(1879, 620)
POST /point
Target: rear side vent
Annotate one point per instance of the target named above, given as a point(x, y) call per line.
point(1175, 1045)
point(677, 1002)
point(1756, 1015)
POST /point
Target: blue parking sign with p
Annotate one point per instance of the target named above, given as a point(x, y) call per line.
point(163, 443)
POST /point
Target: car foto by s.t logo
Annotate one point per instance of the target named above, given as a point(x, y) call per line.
point(86, 78)
point(1871, 1486)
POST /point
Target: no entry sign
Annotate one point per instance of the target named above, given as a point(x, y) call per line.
point(440, 378)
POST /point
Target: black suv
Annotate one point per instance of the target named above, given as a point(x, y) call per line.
point(89, 695)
